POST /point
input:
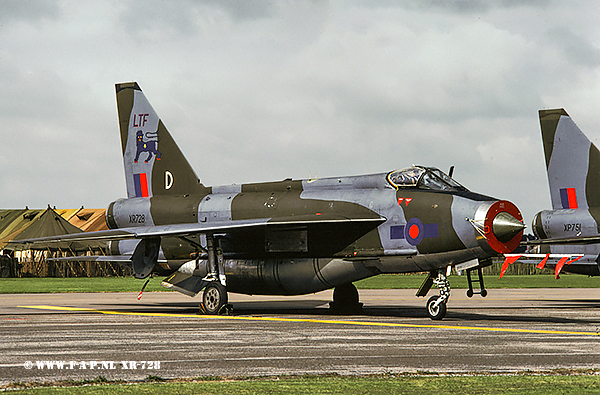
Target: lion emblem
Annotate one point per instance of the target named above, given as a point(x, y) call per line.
point(147, 142)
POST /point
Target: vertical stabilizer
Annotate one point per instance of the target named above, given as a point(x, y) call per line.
point(572, 161)
point(154, 164)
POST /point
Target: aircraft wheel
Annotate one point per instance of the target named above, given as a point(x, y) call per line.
point(483, 293)
point(214, 298)
point(469, 293)
point(346, 294)
point(345, 299)
point(436, 312)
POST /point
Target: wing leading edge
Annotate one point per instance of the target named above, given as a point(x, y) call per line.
point(181, 230)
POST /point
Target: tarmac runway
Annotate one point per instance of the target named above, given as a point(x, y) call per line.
point(118, 337)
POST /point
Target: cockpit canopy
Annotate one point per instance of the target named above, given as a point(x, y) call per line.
point(422, 177)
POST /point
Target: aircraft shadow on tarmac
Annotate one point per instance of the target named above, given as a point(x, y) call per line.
point(320, 308)
point(520, 319)
point(574, 303)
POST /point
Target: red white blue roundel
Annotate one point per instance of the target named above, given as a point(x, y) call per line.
point(414, 231)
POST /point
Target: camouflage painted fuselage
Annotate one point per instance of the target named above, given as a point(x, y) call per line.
point(409, 230)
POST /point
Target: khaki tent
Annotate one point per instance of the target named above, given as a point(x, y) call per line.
point(49, 223)
point(13, 222)
point(86, 219)
point(27, 260)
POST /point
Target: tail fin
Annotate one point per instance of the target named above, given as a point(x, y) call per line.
point(572, 161)
point(154, 164)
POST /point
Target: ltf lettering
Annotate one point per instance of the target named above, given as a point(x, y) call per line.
point(139, 120)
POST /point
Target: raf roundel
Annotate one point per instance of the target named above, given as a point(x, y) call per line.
point(414, 231)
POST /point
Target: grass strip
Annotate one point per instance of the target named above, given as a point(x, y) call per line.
point(383, 281)
point(546, 384)
point(77, 284)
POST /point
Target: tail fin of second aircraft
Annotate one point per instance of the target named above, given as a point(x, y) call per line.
point(154, 164)
point(572, 161)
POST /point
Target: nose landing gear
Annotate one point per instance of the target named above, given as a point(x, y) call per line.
point(436, 305)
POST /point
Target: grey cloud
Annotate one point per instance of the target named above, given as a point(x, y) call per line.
point(257, 91)
point(189, 16)
point(457, 6)
point(243, 9)
point(469, 6)
point(28, 10)
point(577, 50)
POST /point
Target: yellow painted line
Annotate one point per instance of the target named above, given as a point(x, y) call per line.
point(308, 320)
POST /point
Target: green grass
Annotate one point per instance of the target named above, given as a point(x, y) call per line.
point(77, 284)
point(384, 281)
point(386, 384)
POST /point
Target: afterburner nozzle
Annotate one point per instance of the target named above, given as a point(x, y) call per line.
point(506, 227)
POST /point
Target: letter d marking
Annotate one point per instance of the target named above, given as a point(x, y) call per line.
point(168, 179)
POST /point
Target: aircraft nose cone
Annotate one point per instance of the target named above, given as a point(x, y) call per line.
point(505, 226)
point(501, 226)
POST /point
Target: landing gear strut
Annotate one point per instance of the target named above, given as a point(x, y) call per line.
point(345, 300)
point(436, 305)
point(215, 260)
point(214, 297)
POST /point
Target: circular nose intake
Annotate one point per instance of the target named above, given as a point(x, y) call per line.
point(502, 226)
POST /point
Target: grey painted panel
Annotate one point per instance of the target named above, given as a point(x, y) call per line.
point(132, 212)
point(463, 208)
point(382, 201)
point(215, 207)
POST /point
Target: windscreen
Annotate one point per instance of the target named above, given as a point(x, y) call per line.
point(420, 177)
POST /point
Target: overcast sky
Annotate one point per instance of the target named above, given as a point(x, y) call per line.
point(261, 91)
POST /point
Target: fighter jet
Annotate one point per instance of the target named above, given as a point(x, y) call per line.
point(289, 237)
point(573, 167)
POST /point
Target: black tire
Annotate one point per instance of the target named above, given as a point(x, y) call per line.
point(346, 294)
point(469, 293)
point(483, 293)
point(436, 313)
point(214, 298)
point(345, 300)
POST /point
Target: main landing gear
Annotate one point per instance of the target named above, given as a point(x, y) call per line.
point(345, 300)
point(214, 297)
point(436, 305)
